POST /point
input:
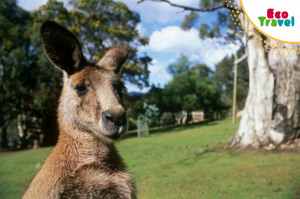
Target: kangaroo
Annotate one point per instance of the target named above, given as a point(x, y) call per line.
point(84, 163)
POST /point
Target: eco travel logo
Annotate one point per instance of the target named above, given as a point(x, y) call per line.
point(276, 19)
point(280, 16)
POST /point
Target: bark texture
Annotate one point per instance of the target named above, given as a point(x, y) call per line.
point(271, 113)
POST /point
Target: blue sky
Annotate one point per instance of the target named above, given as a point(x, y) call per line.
point(161, 23)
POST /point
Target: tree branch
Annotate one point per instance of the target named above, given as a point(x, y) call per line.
point(231, 31)
point(242, 58)
point(206, 9)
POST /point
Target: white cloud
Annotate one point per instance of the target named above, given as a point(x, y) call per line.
point(31, 4)
point(159, 11)
point(195, 57)
point(141, 29)
point(158, 73)
point(134, 88)
point(35, 4)
point(215, 54)
point(173, 39)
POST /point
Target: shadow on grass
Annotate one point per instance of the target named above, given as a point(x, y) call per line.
point(173, 128)
point(296, 195)
point(212, 154)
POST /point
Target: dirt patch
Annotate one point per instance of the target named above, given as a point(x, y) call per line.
point(293, 146)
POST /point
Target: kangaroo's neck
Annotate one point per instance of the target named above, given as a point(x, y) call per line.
point(82, 147)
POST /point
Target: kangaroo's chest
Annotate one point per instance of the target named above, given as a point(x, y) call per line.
point(94, 181)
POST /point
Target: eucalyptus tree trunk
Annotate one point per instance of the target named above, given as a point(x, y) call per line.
point(271, 113)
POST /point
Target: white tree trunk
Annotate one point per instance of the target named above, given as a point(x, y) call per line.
point(271, 113)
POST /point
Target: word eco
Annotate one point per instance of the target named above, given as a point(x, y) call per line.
point(280, 16)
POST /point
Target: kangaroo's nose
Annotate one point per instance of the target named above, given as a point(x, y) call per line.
point(115, 116)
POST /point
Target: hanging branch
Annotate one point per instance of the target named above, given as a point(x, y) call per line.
point(206, 9)
point(242, 58)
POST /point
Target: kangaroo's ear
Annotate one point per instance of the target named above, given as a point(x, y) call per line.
point(114, 58)
point(61, 47)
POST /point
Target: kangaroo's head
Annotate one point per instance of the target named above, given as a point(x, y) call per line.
point(91, 99)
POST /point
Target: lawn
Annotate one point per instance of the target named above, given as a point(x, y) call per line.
point(182, 162)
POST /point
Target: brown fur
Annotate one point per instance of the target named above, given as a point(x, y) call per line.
point(85, 162)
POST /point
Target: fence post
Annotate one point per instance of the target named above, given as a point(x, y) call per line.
point(234, 91)
point(139, 127)
point(147, 129)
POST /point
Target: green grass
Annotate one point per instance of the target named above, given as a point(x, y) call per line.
point(170, 164)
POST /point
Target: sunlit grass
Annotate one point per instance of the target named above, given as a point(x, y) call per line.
point(182, 162)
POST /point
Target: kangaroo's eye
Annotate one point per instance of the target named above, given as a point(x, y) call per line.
point(80, 89)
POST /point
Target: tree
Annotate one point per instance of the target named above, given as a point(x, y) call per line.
point(100, 25)
point(30, 85)
point(271, 113)
point(223, 76)
point(206, 90)
point(182, 65)
point(133, 105)
point(16, 66)
point(192, 90)
point(155, 96)
point(149, 114)
point(48, 78)
point(112, 24)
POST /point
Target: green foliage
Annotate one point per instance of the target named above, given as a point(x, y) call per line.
point(134, 106)
point(190, 20)
point(209, 3)
point(150, 111)
point(224, 70)
point(223, 21)
point(17, 64)
point(206, 32)
point(218, 30)
point(154, 96)
point(175, 91)
point(101, 25)
point(49, 78)
point(224, 75)
point(182, 65)
point(192, 88)
point(190, 102)
point(203, 31)
point(14, 59)
point(191, 92)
